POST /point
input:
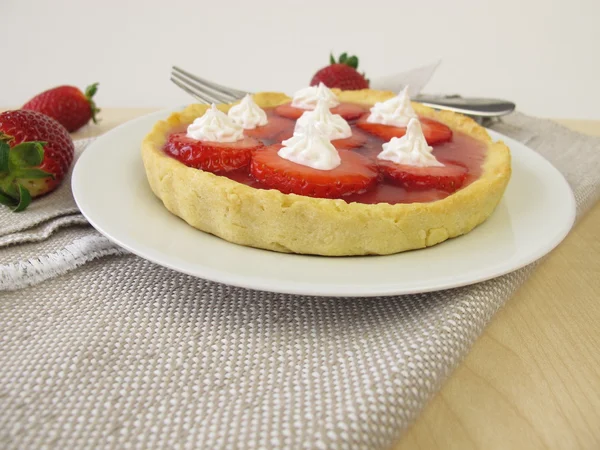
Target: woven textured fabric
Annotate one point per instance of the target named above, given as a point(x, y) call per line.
point(121, 353)
point(40, 232)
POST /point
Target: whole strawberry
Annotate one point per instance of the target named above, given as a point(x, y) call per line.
point(67, 104)
point(341, 74)
point(35, 154)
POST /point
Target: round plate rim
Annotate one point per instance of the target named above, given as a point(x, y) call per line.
point(296, 288)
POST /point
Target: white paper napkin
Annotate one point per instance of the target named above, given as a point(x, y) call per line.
point(416, 79)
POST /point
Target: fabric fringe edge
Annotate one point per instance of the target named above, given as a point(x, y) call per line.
point(35, 270)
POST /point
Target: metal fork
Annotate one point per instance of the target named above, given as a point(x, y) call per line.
point(481, 109)
point(204, 91)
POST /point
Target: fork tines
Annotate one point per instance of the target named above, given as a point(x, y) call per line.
point(203, 90)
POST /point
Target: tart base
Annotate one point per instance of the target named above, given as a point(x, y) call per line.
point(291, 223)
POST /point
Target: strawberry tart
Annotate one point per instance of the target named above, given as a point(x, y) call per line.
point(326, 172)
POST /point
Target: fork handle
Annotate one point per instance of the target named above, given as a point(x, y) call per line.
point(473, 106)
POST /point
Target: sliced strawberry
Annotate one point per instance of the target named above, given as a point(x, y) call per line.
point(435, 132)
point(448, 178)
point(272, 129)
point(211, 156)
point(285, 134)
point(357, 139)
point(289, 111)
point(348, 111)
point(355, 174)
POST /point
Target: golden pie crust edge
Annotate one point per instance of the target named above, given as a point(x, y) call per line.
point(292, 223)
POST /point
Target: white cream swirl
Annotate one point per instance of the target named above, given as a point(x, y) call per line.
point(411, 149)
point(248, 114)
point(396, 111)
point(308, 98)
point(310, 148)
point(332, 126)
point(215, 126)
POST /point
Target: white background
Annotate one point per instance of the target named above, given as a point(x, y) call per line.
point(542, 54)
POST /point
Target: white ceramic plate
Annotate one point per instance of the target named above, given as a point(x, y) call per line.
point(110, 187)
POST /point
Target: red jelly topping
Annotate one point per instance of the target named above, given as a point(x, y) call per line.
point(461, 150)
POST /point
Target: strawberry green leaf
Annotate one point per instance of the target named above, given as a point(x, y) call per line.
point(8, 186)
point(331, 59)
point(15, 195)
point(4, 151)
point(27, 154)
point(32, 174)
point(7, 200)
point(352, 62)
point(90, 91)
point(343, 58)
point(24, 199)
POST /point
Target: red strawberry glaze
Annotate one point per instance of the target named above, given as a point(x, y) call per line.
point(349, 111)
point(275, 126)
point(462, 150)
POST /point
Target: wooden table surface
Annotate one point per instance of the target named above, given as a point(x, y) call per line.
point(532, 380)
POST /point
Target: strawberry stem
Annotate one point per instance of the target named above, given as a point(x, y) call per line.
point(20, 162)
point(90, 91)
point(6, 137)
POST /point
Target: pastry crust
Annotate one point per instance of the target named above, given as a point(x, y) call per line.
point(272, 220)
